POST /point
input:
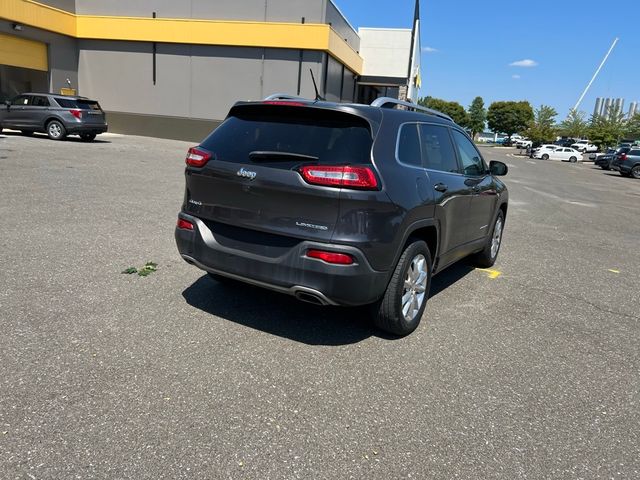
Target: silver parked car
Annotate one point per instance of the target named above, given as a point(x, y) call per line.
point(55, 115)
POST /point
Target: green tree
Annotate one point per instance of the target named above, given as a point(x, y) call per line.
point(542, 128)
point(574, 126)
point(607, 130)
point(509, 117)
point(632, 127)
point(453, 109)
point(477, 116)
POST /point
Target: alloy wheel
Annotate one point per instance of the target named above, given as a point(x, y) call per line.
point(55, 130)
point(497, 238)
point(415, 287)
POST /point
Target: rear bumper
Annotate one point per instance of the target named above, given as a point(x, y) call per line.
point(289, 271)
point(626, 169)
point(87, 128)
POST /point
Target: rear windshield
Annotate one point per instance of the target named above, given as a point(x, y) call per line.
point(78, 103)
point(333, 137)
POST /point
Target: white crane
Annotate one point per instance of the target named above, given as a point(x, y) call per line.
point(575, 108)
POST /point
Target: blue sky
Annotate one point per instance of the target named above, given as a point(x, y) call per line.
point(475, 43)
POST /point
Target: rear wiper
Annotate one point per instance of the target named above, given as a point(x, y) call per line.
point(269, 155)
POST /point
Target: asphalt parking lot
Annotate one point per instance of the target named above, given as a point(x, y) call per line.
point(530, 370)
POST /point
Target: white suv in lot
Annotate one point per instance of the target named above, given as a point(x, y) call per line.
point(584, 146)
point(523, 143)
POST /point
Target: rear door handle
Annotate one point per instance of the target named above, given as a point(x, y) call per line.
point(440, 187)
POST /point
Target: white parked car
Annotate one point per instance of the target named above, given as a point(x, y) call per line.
point(547, 147)
point(584, 146)
point(565, 154)
point(523, 143)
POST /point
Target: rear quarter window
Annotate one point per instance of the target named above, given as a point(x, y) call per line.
point(333, 137)
point(409, 145)
point(78, 103)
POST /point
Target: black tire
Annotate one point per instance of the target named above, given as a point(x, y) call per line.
point(487, 257)
point(87, 137)
point(635, 172)
point(387, 313)
point(545, 157)
point(26, 133)
point(573, 159)
point(56, 130)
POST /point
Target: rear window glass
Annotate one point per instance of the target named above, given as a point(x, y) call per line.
point(79, 103)
point(634, 152)
point(332, 137)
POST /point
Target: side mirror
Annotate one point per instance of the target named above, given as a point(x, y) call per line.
point(498, 168)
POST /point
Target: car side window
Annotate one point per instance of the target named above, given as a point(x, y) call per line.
point(409, 145)
point(438, 149)
point(40, 101)
point(472, 163)
point(21, 100)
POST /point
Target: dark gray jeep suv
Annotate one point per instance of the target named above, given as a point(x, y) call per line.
point(56, 115)
point(340, 204)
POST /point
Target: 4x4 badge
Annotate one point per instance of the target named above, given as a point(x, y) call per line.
point(246, 174)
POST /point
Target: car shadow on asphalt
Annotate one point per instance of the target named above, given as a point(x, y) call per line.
point(279, 314)
point(42, 136)
point(284, 316)
point(449, 276)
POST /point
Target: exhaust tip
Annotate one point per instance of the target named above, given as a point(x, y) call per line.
point(309, 298)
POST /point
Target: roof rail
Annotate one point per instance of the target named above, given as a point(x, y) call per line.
point(383, 101)
point(283, 96)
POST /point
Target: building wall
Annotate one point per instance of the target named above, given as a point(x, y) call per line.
point(195, 84)
point(340, 24)
point(68, 5)
point(196, 81)
point(63, 54)
point(259, 10)
point(386, 51)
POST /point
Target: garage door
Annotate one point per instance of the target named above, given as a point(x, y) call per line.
point(19, 52)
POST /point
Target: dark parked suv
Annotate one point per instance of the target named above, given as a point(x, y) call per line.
point(340, 204)
point(56, 115)
point(628, 163)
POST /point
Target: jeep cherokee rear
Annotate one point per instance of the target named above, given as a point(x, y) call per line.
point(340, 204)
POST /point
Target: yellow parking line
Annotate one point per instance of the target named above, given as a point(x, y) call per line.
point(613, 270)
point(490, 272)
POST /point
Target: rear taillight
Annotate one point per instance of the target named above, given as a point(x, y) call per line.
point(184, 224)
point(197, 157)
point(340, 176)
point(623, 156)
point(331, 257)
point(76, 113)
